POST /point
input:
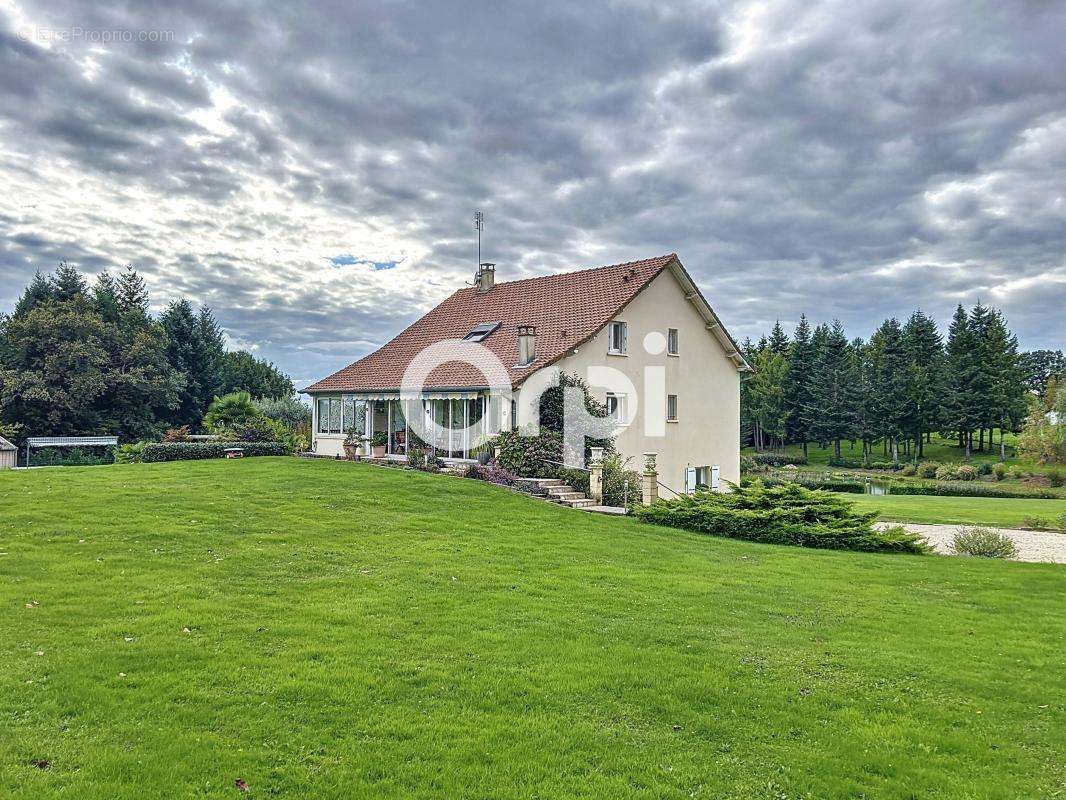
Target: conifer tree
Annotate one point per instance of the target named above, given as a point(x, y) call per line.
point(798, 385)
point(132, 292)
point(889, 386)
point(925, 352)
point(778, 341)
point(832, 418)
point(67, 283)
point(961, 403)
point(39, 291)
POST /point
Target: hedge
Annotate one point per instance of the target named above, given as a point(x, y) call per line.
point(849, 487)
point(189, 451)
point(854, 463)
point(776, 459)
point(952, 489)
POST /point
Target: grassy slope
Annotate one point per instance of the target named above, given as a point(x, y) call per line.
point(998, 512)
point(361, 632)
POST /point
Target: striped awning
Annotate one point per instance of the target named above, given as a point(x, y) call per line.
point(71, 441)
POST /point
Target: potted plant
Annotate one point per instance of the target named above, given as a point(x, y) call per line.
point(379, 441)
point(353, 443)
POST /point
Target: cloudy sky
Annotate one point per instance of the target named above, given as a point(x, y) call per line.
point(312, 173)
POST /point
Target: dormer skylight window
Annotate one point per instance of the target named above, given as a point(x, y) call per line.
point(481, 332)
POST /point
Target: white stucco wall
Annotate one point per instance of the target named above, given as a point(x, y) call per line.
point(704, 379)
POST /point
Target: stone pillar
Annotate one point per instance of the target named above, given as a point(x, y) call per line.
point(650, 480)
point(596, 475)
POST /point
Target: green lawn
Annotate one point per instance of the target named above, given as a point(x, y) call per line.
point(332, 630)
point(995, 511)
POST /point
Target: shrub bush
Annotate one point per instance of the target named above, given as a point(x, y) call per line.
point(789, 514)
point(908, 470)
point(1061, 522)
point(984, 468)
point(1015, 472)
point(255, 429)
point(191, 451)
point(621, 486)
point(537, 456)
point(984, 543)
point(129, 453)
point(575, 478)
point(491, 473)
point(927, 469)
point(946, 472)
point(777, 459)
point(999, 471)
point(1054, 477)
point(827, 484)
point(177, 434)
point(289, 411)
point(1036, 523)
point(89, 456)
point(966, 473)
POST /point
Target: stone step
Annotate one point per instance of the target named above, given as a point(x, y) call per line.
point(583, 502)
point(566, 497)
point(562, 488)
point(542, 482)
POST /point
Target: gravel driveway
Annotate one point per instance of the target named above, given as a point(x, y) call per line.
point(1032, 545)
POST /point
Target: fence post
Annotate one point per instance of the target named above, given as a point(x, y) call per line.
point(596, 475)
point(650, 480)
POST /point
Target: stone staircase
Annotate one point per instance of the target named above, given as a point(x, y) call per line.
point(555, 491)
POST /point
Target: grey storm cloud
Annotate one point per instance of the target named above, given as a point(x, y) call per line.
point(850, 160)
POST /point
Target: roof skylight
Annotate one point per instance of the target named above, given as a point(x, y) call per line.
point(481, 332)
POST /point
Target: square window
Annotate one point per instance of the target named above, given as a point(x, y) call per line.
point(671, 408)
point(481, 332)
point(671, 341)
point(618, 335)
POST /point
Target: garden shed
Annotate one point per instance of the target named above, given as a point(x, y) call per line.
point(8, 454)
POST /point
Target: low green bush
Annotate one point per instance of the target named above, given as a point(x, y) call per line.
point(966, 473)
point(89, 456)
point(999, 471)
point(789, 514)
point(1036, 523)
point(927, 469)
point(984, 543)
point(129, 453)
point(621, 486)
point(193, 451)
point(576, 479)
point(490, 473)
point(1061, 522)
point(1054, 477)
point(908, 470)
point(826, 484)
point(984, 468)
point(947, 472)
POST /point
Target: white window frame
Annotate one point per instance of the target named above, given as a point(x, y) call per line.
point(621, 403)
point(672, 342)
point(623, 349)
point(671, 417)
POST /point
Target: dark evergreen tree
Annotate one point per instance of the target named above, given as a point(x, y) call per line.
point(67, 283)
point(39, 291)
point(833, 413)
point(798, 385)
point(890, 384)
point(132, 292)
point(194, 347)
point(962, 404)
point(105, 297)
point(778, 341)
point(1008, 396)
point(1039, 367)
point(925, 354)
point(862, 375)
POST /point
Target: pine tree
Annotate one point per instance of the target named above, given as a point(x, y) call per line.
point(961, 402)
point(766, 392)
point(38, 292)
point(925, 353)
point(778, 341)
point(832, 414)
point(194, 347)
point(890, 374)
point(862, 369)
point(105, 297)
point(798, 385)
point(67, 283)
point(132, 292)
point(1008, 396)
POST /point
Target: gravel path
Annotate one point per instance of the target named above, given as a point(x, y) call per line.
point(1032, 545)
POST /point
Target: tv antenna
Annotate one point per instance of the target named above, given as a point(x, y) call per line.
point(479, 223)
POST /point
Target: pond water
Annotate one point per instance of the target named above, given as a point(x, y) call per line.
point(876, 487)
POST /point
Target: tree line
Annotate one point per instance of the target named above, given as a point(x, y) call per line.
point(82, 360)
point(894, 390)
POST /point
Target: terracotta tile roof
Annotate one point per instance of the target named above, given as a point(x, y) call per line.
point(566, 309)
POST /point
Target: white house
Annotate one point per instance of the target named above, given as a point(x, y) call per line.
point(643, 318)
